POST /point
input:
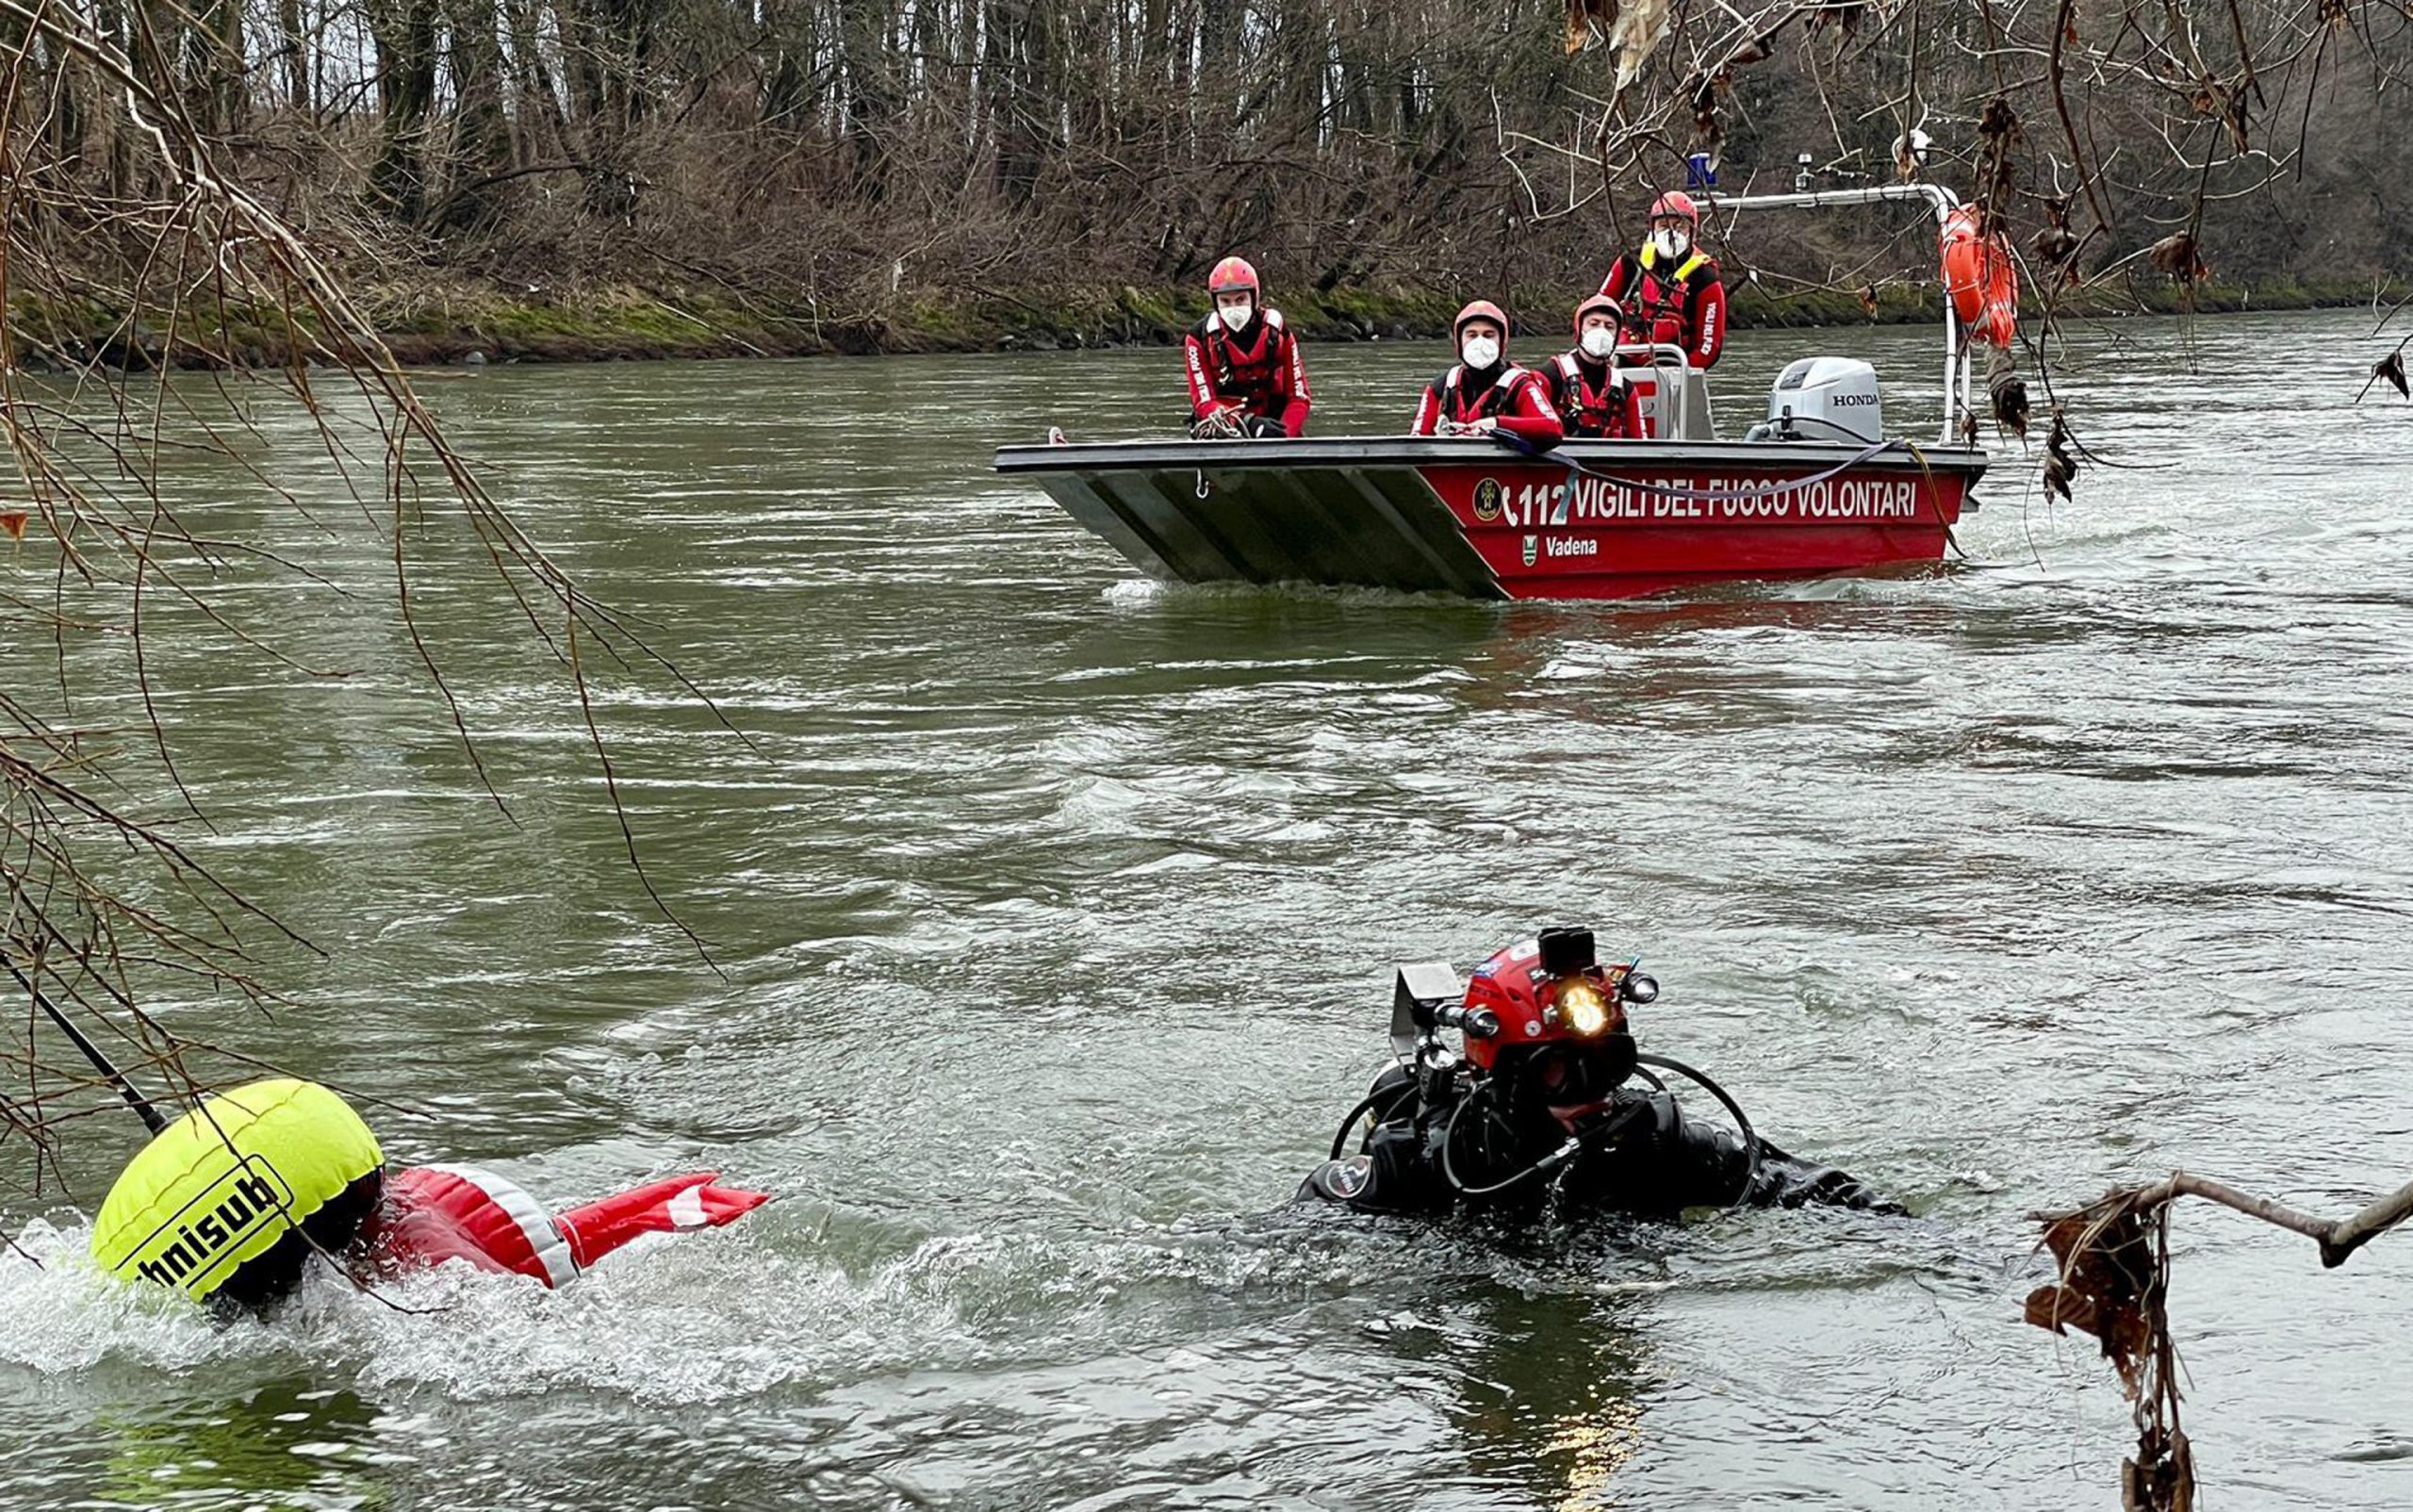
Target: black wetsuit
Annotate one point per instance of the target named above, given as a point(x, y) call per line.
point(1641, 1154)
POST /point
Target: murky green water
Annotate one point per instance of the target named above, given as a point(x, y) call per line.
point(1056, 909)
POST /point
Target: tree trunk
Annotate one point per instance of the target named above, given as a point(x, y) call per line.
point(537, 103)
point(871, 95)
point(404, 32)
point(481, 134)
point(293, 50)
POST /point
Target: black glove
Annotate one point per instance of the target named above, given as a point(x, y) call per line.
point(1264, 427)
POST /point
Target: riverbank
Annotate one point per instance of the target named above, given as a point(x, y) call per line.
point(606, 323)
point(622, 324)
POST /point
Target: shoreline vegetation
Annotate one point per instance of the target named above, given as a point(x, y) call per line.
point(476, 325)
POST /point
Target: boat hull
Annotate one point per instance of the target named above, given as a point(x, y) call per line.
point(1598, 519)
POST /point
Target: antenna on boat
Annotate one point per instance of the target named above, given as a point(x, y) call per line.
point(151, 1118)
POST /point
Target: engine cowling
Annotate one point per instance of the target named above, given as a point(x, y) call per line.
point(1825, 399)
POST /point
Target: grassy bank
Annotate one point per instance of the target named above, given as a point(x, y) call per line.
point(622, 323)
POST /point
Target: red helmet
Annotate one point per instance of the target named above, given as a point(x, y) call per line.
point(1599, 305)
point(1482, 309)
point(1538, 1005)
point(1676, 203)
point(1232, 275)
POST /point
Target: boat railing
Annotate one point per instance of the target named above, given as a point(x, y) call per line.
point(1956, 375)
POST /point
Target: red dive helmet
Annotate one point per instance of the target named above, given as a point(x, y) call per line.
point(1676, 203)
point(1482, 309)
point(1553, 989)
point(1231, 277)
point(1597, 304)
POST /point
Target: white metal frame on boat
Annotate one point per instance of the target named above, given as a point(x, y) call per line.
point(1956, 360)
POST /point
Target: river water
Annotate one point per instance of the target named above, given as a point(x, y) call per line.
point(1054, 913)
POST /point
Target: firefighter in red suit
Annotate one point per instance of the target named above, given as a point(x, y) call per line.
point(1592, 396)
point(1670, 289)
point(1245, 374)
point(1484, 391)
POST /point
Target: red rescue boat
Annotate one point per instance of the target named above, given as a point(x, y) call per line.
point(1816, 489)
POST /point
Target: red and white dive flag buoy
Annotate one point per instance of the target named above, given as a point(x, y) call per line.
point(434, 1213)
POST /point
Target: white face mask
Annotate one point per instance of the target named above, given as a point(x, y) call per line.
point(1480, 352)
point(1599, 341)
point(1670, 241)
point(1236, 316)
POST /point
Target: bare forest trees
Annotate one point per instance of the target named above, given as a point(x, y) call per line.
point(842, 155)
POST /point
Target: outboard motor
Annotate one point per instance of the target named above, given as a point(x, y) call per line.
point(1823, 399)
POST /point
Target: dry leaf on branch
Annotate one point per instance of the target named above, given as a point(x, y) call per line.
point(2114, 1280)
point(2109, 1284)
point(2177, 256)
point(1759, 49)
point(2055, 245)
point(2392, 368)
point(2227, 103)
point(1997, 133)
point(1640, 26)
point(1589, 23)
point(2061, 470)
point(1703, 90)
point(2009, 391)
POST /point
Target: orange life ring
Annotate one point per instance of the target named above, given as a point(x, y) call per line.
point(1982, 279)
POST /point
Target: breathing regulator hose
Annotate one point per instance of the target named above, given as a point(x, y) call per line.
point(1733, 1109)
point(1559, 1157)
point(1575, 1144)
point(1365, 1105)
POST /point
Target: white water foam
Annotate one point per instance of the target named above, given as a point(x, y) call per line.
point(686, 1319)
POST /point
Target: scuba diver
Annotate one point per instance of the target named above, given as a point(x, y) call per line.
point(1543, 1104)
point(1485, 391)
point(1246, 377)
point(1672, 290)
point(228, 1203)
point(1592, 396)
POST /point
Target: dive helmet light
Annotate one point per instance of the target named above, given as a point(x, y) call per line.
point(1577, 1002)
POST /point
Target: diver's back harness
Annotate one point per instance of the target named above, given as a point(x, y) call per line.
point(1596, 1136)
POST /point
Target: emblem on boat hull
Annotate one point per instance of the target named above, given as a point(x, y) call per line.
point(1486, 499)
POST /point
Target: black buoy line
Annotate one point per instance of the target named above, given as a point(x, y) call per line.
point(151, 1118)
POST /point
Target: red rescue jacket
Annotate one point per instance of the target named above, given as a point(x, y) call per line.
point(1515, 397)
point(1609, 408)
point(1263, 374)
point(434, 1213)
point(1684, 306)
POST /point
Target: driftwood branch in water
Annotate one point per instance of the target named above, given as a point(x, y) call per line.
point(2114, 1282)
point(2338, 1238)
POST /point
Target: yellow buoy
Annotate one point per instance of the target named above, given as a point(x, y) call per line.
point(220, 1188)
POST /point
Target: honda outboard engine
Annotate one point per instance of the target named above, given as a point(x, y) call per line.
point(1823, 399)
